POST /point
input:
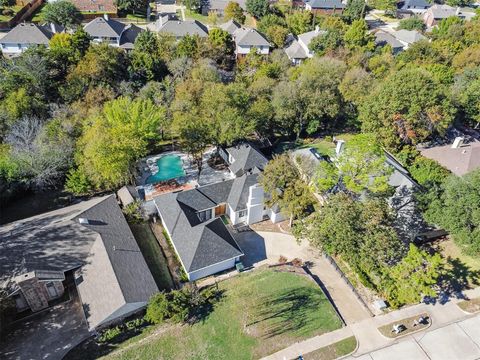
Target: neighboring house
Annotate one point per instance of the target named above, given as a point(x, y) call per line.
point(246, 39)
point(88, 246)
point(115, 33)
point(325, 6)
point(459, 158)
point(218, 6)
point(415, 6)
point(408, 37)
point(383, 38)
point(306, 38)
point(192, 218)
point(398, 40)
point(437, 13)
point(294, 50)
point(179, 29)
point(26, 35)
point(96, 6)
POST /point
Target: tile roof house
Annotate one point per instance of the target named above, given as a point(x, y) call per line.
point(325, 6)
point(89, 243)
point(96, 6)
point(192, 218)
point(415, 6)
point(179, 29)
point(26, 35)
point(459, 158)
point(115, 33)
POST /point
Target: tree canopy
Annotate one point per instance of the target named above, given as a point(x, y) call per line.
point(62, 12)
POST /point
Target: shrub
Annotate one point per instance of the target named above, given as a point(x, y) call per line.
point(282, 259)
point(8, 12)
point(158, 308)
point(110, 334)
point(297, 262)
point(133, 212)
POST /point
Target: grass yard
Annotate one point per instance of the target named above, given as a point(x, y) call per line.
point(153, 255)
point(324, 146)
point(334, 351)
point(262, 312)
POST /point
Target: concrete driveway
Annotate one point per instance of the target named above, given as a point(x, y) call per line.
point(264, 247)
point(47, 335)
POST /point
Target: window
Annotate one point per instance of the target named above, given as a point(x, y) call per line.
point(52, 291)
point(242, 213)
point(20, 302)
point(204, 215)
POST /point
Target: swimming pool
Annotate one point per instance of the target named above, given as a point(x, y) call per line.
point(169, 167)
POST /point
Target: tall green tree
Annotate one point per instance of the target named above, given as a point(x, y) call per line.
point(235, 12)
point(355, 10)
point(257, 8)
point(133, 6)
point(415, 277)
point(407, 108)
point(300, 22)
point(62, 12)
point(358, 37)
point(457, 210)
point(361, 166)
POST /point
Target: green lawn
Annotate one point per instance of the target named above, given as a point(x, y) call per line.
point(324, 146)
point(14, 8)
point(191, 15)
point(334, 351)
point(262, 312)
point(153, 255)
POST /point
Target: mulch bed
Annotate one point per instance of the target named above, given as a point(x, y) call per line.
point(386, 330)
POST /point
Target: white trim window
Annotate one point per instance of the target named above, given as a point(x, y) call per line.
point(204, 215)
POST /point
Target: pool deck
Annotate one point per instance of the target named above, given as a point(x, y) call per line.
point(191, 179)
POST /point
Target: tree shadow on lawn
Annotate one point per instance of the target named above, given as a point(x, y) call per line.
point(289, 312)
point(459, 276)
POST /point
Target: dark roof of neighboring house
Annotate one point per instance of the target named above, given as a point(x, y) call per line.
point(107, 6)
point(414, 4)
point(29, 33)
point(182, 28)
point(57, 241)
point(101, 27)
point(250, 37)
point(127, 40)
point(326, 4)
point(459, 161)
point(246, 158)
point(198, 244)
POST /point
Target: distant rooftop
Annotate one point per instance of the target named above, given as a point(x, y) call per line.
point(459, 161)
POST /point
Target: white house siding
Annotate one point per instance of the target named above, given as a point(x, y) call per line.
point(255, 204)
point(275, 217)
point(232, 215)
point(244, 50)
point(212, 269)
point(13, 49)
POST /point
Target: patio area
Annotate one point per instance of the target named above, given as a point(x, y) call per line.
point(182, 179)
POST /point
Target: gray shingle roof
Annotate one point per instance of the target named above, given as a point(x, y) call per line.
point(408, 36)
point(295, 51)
point(101, 27)
point(230, 26)
point(250, 37)
point(28, 33)
point(105, 247)
point(442, 11)
point(238, 196)
point(127, 40)
point(326, 4)
point(246, 158)
point(307, 37)
point(198, 244)
point(383, 38)
point(415, 4)
point(182, 28)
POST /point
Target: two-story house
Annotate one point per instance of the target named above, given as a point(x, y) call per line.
point(246, 39)
point(26, 35)
point(193, 218)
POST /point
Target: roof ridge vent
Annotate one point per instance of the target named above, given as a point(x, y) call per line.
point(83, 221)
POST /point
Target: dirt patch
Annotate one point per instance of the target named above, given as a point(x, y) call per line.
point(217, 163)
point(267, 225)
point(471, 306)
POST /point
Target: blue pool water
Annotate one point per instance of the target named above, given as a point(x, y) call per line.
point(169, 167)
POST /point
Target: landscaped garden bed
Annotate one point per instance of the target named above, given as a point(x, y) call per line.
point(470, 306)
point(411, 325)
point(261, 312)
